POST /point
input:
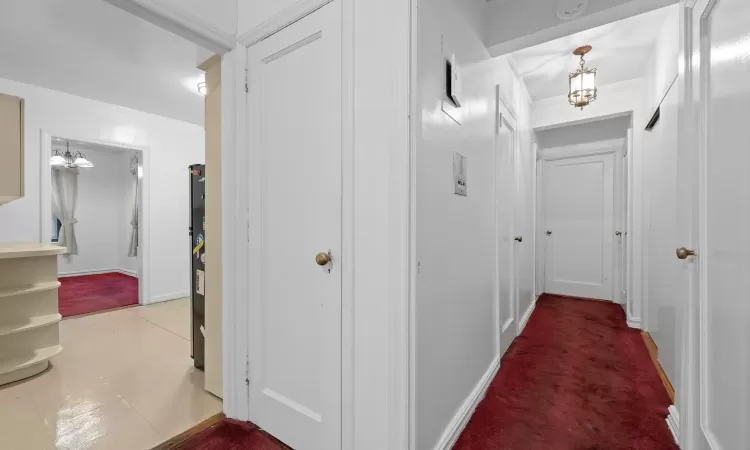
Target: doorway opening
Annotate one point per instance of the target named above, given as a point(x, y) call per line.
point(93, 206)
point(582, 207)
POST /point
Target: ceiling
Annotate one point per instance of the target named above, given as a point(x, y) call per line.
point(92, 49)
point(621, 51)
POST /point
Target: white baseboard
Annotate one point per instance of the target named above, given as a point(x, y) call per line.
point(167, 297)
point(131, 273)
point(80, 273)
point(506, 325)
point(464, 413)
point(525, 317)
point(673, 422)
point(634, 322)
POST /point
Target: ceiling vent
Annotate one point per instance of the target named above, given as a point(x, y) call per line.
point(570, 9)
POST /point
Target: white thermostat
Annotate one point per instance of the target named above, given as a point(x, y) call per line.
point(459, 174)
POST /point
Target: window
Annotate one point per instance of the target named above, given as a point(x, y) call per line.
point(56, 225)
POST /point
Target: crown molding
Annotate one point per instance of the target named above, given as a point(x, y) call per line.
point(180, 23)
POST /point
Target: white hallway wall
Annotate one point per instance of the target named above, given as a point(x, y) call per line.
point(101, 212)
point(456, 340)
point(662, 268)
point(173, 145)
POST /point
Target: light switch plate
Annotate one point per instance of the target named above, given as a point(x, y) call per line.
point(459, 174)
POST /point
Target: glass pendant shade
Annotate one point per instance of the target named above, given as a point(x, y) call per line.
point(81, 161)
point(57, 160)
point(583, 89)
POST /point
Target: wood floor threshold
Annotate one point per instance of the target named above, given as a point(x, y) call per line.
point(653, 351)
point(94, 313)
point(181, 438)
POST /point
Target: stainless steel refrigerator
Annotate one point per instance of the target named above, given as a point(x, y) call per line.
point(198, 262)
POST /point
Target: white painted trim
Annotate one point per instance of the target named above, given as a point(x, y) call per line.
point(402, 274)
point(131, 273)
point(282, 20)
point(526, 315)
point(634, 322)
point(167, 297)
point(508, 323)
point(235, 329)
point(415, 130)
point(673, 422)
point(348, 411)
point(45, 202)
point(602, 148)
point(80, 273)
point(180, 23)
point(464, 413)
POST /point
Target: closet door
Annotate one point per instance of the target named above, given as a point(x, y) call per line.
point(295, 173)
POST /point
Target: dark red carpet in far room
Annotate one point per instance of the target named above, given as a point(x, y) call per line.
point(576, 378)
point(93, 293)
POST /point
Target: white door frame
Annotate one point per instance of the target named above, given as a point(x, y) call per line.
point(542, 161)
point(45, 202)
point(505, 118)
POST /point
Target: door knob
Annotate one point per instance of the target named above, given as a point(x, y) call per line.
point(549, 233)
point(519, 239)
point(323, 259)
point(683, 253)
point(618, 233)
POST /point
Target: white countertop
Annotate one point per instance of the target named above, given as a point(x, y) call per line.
point(28, 250)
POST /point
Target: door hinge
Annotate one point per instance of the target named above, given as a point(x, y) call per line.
point(247, 370)
point(247, 89)
point(247, 230)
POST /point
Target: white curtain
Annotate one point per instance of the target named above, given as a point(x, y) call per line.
point(133, 248)
point(64, 199)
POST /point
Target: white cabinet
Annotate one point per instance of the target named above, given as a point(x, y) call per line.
point(11, 148)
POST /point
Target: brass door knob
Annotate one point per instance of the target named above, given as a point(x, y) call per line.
point(323, 259)
point(683, 253)
point(519, 239)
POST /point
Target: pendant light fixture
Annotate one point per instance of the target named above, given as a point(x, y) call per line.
point(583, 89)
point(68, 160)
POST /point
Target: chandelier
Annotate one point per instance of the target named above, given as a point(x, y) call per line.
point(68, 160)
point(582, 82)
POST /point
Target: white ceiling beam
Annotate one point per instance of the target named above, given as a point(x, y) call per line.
point(513, 26)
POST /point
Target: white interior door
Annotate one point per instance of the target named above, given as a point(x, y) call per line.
point(719, 236)
point(505, 156)
point(294, 113)
point(579, 222)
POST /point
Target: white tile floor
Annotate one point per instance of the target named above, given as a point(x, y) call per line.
point(124, 380)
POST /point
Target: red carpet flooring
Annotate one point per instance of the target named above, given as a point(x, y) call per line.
point(576, 378)
point(231, 435)
point(93, 293)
